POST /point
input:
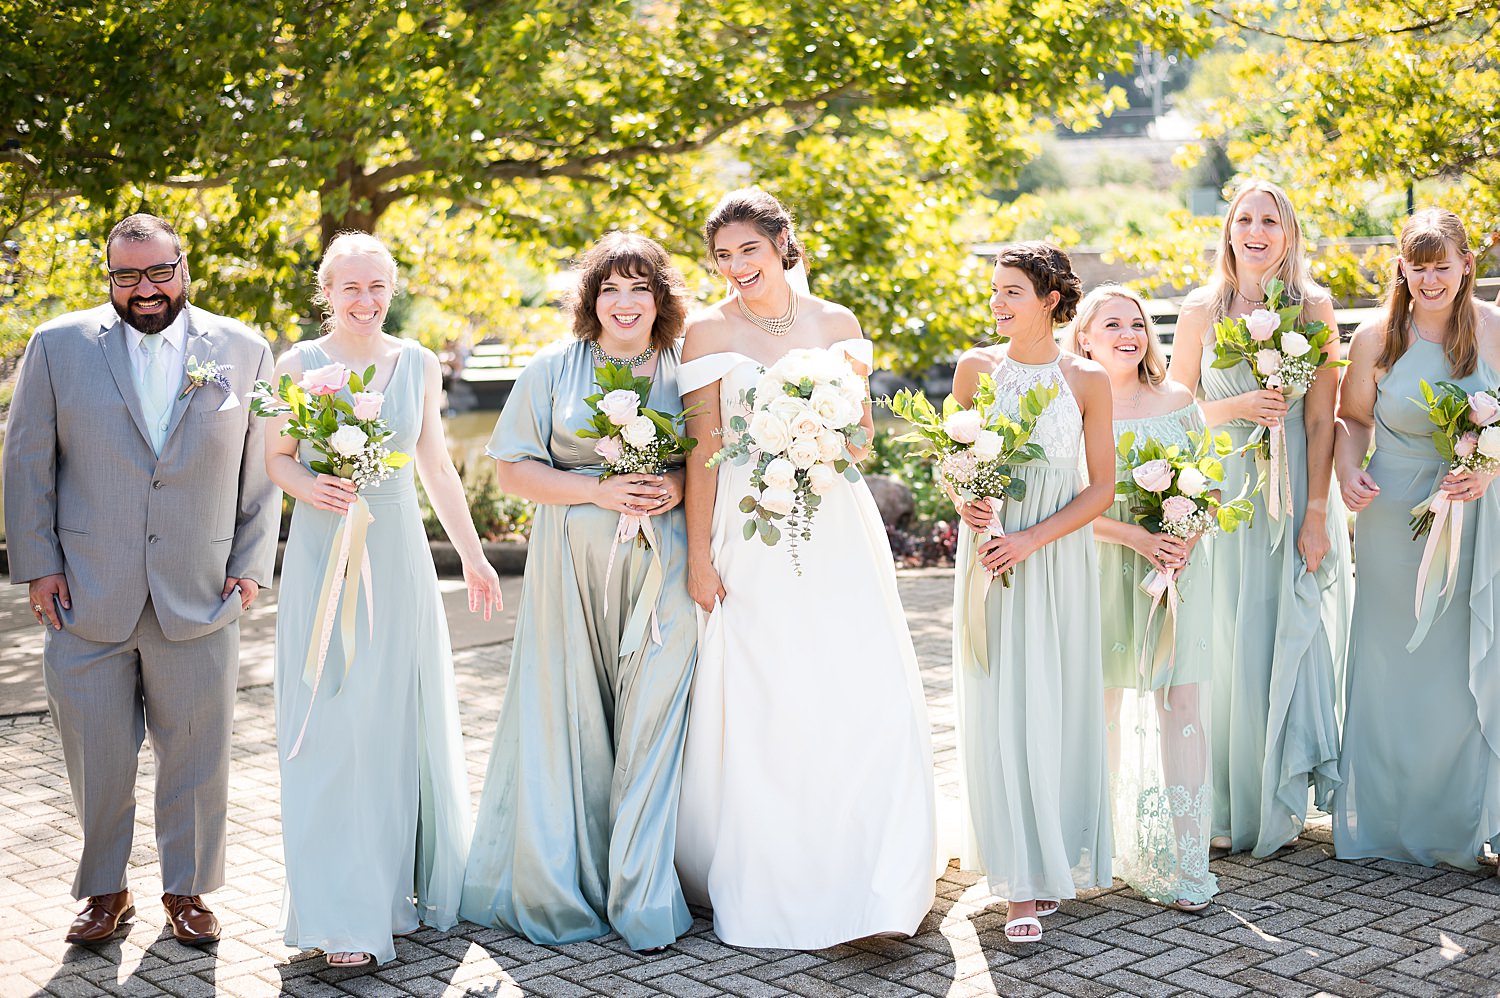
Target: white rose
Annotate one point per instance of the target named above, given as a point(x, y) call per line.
point(822, 479)
point(1267, 361)
point(777, 500)
point(829, 405)
point(806, 424)
point(779, 474)
point(830, 445)
point(621, 406)
point(767, 388)
point(639, 432)
point(769, 433)
point(1191, 482)
point(1489, 442)
point(1294, 344)
point(792, 368)
point(349, 440)
point(787, 407)
point(964, 426)
point(988, 444)
point(828, 365)
point(803, 452)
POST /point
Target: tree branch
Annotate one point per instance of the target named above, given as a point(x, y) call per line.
point(1423, 24)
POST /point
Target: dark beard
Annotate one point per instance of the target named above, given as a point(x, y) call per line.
point(152, 323)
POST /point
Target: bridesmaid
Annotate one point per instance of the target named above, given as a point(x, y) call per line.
point(1157, 728)
point(1281, 587)
point(577, 824)
point(1026, 677)
point(374, 796)
point(1420, 767)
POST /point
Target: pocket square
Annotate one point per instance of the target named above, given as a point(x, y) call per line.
point(231, 402)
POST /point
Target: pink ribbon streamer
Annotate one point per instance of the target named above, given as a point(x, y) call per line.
point(1447, 530)
point(629, 525)
point(1162, 588)
point(1280, 495)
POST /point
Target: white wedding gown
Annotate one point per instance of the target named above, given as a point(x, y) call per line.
point(806, 817)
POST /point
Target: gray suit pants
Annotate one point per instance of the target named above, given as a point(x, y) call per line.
point(105, 697)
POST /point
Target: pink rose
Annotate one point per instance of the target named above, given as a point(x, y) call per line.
point(1267, 361)
point(1153, 476)
point(1178, 508)
point(609, 449)
point(1466, 445)
point(963, 426)
point(329, 380)
point(1483, 409)
point(367, 405)
point(1262, 324)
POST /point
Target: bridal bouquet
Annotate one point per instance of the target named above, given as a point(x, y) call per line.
point(804, 415)
point(1284, 356)
point(634, 439)
point(1169, 492)
point(978, 447)
point(331, 409)
point(1468, 437)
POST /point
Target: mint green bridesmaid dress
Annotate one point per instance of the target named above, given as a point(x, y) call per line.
point(1277, 646)
point(1029, 684)
point(375, 804)
point(1157, 718)
point(1421, 753)
point(577, 824)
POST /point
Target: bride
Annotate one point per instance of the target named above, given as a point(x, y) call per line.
point(807, 803)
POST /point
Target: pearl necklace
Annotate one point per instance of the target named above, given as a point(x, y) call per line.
point(601, 358)
point(778, 326)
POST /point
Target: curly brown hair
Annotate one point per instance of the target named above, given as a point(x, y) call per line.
point(1049, 270)
point(630, 255)
point(761, 210)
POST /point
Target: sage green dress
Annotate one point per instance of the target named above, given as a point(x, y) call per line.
point(1278, 643)
point(375, 803)
point(1157, 716)
point(1421, 753)
point(577, 824)
point(1028, 681)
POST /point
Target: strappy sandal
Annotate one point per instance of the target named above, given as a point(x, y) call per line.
point(362, 961)
point(1026, 921)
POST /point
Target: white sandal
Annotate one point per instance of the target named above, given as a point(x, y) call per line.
point(1020, 923)
point(1050, 911)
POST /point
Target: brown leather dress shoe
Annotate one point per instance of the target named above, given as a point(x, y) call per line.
point(192, 923)
point(101, 917)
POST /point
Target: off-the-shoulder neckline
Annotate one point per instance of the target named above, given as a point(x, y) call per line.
point(753, 360)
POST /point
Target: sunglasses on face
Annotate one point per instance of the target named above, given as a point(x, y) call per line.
point(129, 277)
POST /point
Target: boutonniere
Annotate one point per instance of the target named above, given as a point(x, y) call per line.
point(199, 375)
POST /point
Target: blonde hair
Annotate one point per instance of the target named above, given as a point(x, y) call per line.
point(1291, 269)
point(341, 247)
point(1152, 369)
point(1426, 238)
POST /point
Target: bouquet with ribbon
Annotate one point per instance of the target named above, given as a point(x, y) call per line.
point(797, 424)
point(634, 439)
point(1468, 438)
point(980, 446)
point(331, 410)
point(1285, 355)
point(1170, 490)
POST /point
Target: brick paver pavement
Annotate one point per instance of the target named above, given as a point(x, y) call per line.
point(1299, 923)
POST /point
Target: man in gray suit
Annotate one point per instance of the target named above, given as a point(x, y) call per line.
point(138, 510)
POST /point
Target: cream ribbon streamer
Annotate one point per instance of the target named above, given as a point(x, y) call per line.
point(1279, 496)
point(1162, 588)
point(1439, 561)
point(644, 611)
point(348, 557)
point(978, 588)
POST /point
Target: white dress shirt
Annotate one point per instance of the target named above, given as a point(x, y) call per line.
point(173, 347)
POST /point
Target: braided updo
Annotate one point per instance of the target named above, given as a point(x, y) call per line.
point(1049, 270)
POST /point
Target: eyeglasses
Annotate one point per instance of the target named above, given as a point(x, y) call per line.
point(129, 277)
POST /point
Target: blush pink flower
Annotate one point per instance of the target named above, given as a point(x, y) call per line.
point(367, 405)
point(1466, 445)
point(1262, 324)
point(1483, 409)
point(609, 449)
point(1153, 476)
point(327, 380)
point(1177, 508)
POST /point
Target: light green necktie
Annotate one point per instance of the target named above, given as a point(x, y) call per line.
point(156, 391)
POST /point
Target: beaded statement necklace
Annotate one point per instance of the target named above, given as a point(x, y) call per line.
point(601, 358)
point(777, 326)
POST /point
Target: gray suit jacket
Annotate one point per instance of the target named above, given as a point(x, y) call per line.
point(86, 496)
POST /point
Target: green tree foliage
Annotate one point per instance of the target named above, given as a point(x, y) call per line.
point(538, 123)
